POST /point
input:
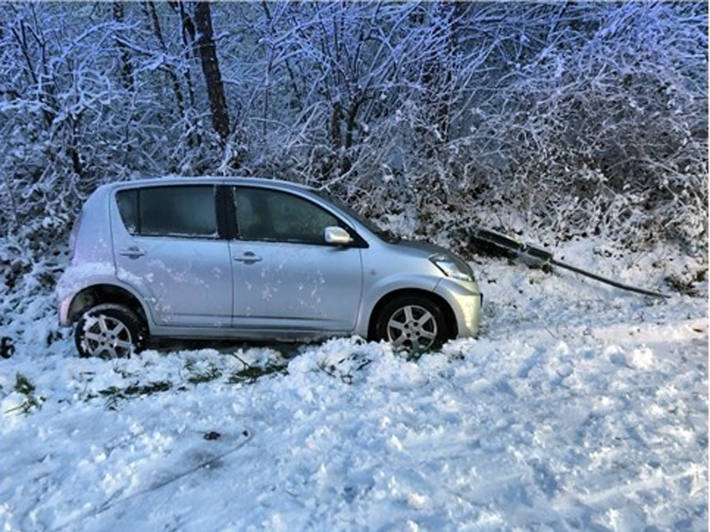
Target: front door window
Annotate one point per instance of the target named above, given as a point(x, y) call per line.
point(274, 216)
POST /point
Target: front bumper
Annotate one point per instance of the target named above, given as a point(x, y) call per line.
point(466, 301)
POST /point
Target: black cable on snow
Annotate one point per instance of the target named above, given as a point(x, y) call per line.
point(495, 243)
point(608, 281)
point(114, 500)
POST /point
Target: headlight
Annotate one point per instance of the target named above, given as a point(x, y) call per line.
point(451, 268)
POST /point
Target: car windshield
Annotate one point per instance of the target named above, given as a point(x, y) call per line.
point(384, 234)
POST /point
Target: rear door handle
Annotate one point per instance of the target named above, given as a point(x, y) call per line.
point(248, 258)
point(132, 252)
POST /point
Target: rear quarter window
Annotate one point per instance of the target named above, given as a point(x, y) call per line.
point(169, 211)
point(127, 201)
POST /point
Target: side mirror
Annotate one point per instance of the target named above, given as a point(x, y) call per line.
point(337, 235)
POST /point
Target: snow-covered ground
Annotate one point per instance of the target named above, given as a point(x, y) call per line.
point(579, 407)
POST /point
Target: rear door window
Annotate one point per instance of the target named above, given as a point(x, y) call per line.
point(169, 211)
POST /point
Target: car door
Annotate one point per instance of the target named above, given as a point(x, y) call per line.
point(167, 246)
point(286, 278)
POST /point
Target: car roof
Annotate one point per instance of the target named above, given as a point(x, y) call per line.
point(180, 180)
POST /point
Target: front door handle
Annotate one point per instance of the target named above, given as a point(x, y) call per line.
point(132, 252)
point(248, 258)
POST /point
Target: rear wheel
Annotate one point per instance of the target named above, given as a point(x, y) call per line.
point(109, 331)
point(412, 323)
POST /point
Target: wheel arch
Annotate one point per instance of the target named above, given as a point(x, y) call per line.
point(99, 293)
point(401, 292)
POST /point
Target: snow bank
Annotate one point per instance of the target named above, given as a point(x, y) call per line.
point(578, 407)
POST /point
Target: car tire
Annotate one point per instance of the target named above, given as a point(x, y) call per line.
point(110, 331)
point(412, 323)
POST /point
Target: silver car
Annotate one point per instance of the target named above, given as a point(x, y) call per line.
point(257, 259)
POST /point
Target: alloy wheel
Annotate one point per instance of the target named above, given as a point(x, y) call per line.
point(412, 327)
point(106, 336)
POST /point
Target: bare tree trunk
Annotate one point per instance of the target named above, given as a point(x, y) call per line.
point(126, 66)
point(171, 74)
point(187, 30)
point(13, 202)
point(439, 72)
point(210, 68)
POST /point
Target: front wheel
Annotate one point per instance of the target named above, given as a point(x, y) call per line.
point(109, 331)
point(412, 323)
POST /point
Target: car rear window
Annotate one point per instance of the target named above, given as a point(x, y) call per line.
point(169, 211)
